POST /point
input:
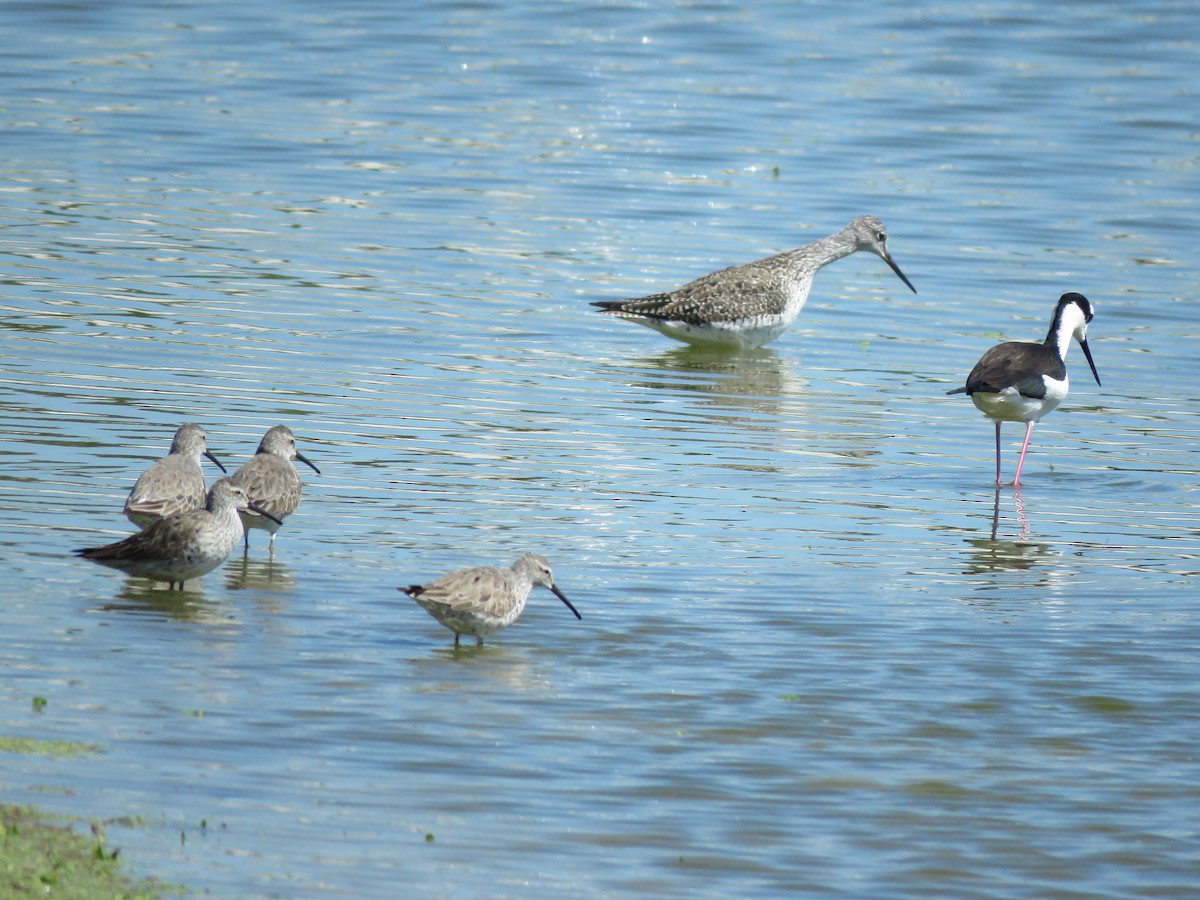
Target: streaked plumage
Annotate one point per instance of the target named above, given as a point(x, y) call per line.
point(183, 545)
point(174, 483)
point(484, 599)
point(271, 481)
point(751, 304)
point(1020, 381)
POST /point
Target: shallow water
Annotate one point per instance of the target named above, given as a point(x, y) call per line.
point(818, 654)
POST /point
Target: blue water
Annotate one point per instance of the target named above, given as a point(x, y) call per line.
point(818, 654)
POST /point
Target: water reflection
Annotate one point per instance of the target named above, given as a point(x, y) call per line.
point(1020, 508)
point(992, 553)
point(188, 605)
point(243, 573)
point(753, 381)
point(758, 363)
point(704, 358)
point(491, 667)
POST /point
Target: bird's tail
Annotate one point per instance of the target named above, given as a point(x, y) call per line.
point(107, 552)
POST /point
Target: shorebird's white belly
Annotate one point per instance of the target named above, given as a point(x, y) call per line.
point(1009, 405)
point(748, 333)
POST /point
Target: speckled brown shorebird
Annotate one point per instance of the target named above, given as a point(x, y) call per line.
point(183, 545)
point(174, 483)
point(485, 599)
point(751, 304)
point(272, 482)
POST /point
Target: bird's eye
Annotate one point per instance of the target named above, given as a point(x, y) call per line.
point(881, 236)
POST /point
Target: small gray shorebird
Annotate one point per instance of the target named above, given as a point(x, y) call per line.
point(1021, 381)
point(174, 483)
point(271, 482)
point(752, 304)
point(183, 545)
point(484, 599)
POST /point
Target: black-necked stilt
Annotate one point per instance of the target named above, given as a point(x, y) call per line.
point(751, 304)
point(1020, 381)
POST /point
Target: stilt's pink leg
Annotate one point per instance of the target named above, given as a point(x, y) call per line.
point(1024, 447)
point(997, 453)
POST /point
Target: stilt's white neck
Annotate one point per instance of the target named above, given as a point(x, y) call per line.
point(1069, 323)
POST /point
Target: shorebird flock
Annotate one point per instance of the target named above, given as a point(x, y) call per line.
point(188, 530)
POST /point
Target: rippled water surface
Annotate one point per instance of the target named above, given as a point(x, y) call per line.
point(819, 654)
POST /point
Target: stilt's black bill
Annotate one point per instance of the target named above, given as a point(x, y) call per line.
point(1088, 354)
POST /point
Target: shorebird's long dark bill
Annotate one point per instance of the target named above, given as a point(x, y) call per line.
point(254, 507)
point(887, 258)
point(217, 461)
point(1088, 354)
point(560, 596)
point(300, 456)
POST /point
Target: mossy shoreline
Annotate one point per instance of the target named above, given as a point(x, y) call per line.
point(42, 855)
point(46, 855)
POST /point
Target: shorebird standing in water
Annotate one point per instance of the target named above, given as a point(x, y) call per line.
point(271, 482)
point(183, 545)
point(1020, 381)
point(484, 599)
point(752, 304)
point(173, 484)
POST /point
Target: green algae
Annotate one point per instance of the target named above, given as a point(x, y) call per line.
point(40, 857)
point(53, 749)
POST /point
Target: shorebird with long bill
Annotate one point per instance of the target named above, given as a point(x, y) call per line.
point(271, 482)
point(183, 545)
point(1021, 381)
point(174, 483)
point(750, 305)
point(485, 599)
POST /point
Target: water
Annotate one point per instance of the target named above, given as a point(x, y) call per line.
point(805, 664)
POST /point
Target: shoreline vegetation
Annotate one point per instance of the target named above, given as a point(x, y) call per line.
point(40, 856)
point(48, 855)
